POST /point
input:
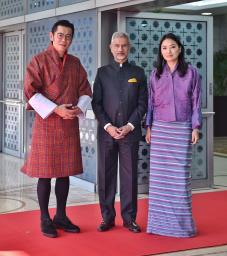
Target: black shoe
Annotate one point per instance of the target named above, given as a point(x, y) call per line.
point(48, 229)
point(105, 226)
point(66, 225)
point(132, 226)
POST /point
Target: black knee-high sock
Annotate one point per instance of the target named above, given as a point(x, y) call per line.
point(61, 191)
point(43, 192)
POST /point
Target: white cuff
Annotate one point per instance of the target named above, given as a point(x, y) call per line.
point(82, 104)
point(42, 105)
point(107, 125)
point(131, 125)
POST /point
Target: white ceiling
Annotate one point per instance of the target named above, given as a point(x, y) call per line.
point(216, 7)
point(191, 7)
point(201, 5)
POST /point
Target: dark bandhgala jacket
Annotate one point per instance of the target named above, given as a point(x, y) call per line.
point(119, 97)
point(55, 147)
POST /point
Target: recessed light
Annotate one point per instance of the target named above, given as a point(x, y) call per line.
point(206, 13)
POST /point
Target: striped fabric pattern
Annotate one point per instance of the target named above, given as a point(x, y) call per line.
point(170, 211)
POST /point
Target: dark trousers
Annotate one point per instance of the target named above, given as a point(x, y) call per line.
point(108, 153)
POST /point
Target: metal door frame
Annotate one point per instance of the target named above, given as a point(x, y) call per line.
point(208, 110)
point(19, 102)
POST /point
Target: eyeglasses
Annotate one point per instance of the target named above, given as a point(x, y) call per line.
point(67, 37)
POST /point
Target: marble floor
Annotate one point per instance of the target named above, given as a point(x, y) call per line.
point(18, 193)
point(220, 146)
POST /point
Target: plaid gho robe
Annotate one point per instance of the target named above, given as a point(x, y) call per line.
point(55, 147)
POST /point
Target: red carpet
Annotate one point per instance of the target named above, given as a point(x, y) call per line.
point(20, 232)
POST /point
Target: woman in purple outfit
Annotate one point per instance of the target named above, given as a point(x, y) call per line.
point(173, 122)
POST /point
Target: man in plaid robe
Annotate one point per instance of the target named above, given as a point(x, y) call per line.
point(57, 88)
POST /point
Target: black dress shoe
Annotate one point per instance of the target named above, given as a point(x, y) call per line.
point(66, 225)
point(132, 226)
point(48, 229)
point(105, 226)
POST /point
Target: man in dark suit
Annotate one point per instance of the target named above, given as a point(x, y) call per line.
point(119, 103)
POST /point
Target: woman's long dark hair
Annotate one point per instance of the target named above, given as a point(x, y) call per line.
point(182, 64)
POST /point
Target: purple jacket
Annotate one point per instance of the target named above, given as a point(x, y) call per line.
point(175, 98)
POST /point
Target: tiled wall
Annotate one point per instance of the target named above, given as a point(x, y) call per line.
point(67, 2)
point(11, 8)
point(40, 5)
point(15, 8)
point(12, 92)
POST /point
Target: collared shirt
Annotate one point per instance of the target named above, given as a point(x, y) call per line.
point(175, 98)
